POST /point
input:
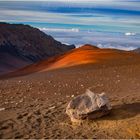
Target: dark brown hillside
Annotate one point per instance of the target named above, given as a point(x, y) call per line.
point(21, 45)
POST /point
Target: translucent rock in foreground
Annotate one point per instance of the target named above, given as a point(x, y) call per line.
point(88, 106)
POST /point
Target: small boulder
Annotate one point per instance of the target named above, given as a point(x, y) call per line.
point(88, 106)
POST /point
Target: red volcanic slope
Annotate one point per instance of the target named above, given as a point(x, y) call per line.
point(87, 54)
point(83, 55)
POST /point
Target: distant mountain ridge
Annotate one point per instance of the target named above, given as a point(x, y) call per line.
point(21, 45)
point(137, 50)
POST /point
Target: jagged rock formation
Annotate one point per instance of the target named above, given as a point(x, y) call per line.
point(21, 45)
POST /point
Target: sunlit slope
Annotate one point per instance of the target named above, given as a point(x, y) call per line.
point(88, 54)
point(84, 55)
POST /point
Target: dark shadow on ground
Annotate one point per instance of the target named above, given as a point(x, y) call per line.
point(124, 111)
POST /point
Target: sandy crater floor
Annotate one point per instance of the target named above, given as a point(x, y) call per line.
point(34, 106)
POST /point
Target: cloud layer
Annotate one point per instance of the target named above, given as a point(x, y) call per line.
point(78, 22)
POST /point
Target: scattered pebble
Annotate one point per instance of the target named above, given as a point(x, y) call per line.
point(6, 103)
point(118, 75)
point(72, 96)
point(53, 107)
point(77, 92)
point(119, 80)
point(12, 102)
point(2, 109)
point(21, 101)
point(16, 103)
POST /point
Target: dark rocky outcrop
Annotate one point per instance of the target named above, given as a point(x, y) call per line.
point(137, 50)
point(21, 45)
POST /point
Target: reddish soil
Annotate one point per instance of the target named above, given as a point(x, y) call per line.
point(33, 106)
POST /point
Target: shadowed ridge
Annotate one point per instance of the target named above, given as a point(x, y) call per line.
point(22, 45)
